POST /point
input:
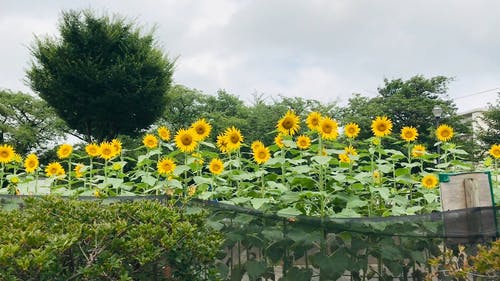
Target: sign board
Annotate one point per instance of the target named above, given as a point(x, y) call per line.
point(467, 190)
point(472, 194)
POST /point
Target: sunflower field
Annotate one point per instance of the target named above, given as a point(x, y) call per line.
point(324, 171)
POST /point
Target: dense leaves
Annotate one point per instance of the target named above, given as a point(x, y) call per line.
point(28, 123)
point(102, 76)
point(63, 239)
point(406, 102)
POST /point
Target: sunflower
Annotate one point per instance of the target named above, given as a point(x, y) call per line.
point(54, 169)
point(198, 158)
point(191, 190)
point(202, 129)
point(117, 146)
point(278, 140)
point(303, 142)
point(166, 166)
point(64, 151)
point(222, 143)
point(430, 181)
point(409, 133)
point(352, 130)
point(150, 141)
point(381, 126)
point(185, 140)
point(350, 150)
point(444, 133)
point(106, 150)
point(377, 176)
point(328, 128)
point(92, 149)
point(216, 166)
point(116, 166)
point(289, 124)
point(6, 153)
point(78, 170)
point(313, 120)
point(164, 133)
point(234, 138)
point(495, 151)
point(31, 163)
point(17, 158)
point(418, 150)
point(344, 158)
point(261, 155)
point(256, 144)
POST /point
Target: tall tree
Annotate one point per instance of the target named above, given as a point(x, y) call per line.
point(407, 103)
point(28, 123)
point(102, 76)
point(490, 134)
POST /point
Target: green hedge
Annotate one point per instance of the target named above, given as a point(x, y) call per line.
point(61, 239)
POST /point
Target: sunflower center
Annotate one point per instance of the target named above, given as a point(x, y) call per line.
point(261, 154)
point(4, 154)
point(327, 128)
point(200, 130)
point(381, 127)
point(445, 133)
point(315, 121)
point(106, 151)
point(186, 140)
point(234, 138)
point(408, 134)
point(288, 123)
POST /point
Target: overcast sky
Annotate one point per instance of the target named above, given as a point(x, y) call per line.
point(324, 50)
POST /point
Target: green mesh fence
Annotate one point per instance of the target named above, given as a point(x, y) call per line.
point(261, 246)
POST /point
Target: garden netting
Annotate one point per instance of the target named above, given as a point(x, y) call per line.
point(264, 246)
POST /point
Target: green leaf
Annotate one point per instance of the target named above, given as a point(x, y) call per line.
point(414, 209)
point(384, 192)
point(430, 197)
point(385, 168)
point(402, 171)
point(209, 144)
point(149, 180)
point(289, 212)
point(202, 180)
point(356, 203)
point(174, 183)
point(322, 160)
point(255, 269)
point(181, 169)
point(258, 202)
point(272, 234)
point(303, 169)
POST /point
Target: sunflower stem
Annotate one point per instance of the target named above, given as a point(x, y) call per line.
point(1, 175)
point(69, 173)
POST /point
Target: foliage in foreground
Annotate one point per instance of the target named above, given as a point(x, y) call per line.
point(57, 239)
point(484, 265)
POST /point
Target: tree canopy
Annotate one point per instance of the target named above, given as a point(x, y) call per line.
point(406, 103)
point(491, 133)
point(28, 123)
point(102, 75)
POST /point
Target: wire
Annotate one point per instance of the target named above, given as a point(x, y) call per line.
point(477, 93)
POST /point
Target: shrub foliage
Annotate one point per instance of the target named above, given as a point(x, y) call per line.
point(59, 239)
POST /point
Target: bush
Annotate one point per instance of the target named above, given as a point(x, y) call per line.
point(458, 265)
point(60, 239)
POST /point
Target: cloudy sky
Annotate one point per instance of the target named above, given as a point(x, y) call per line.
point(324, 50)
